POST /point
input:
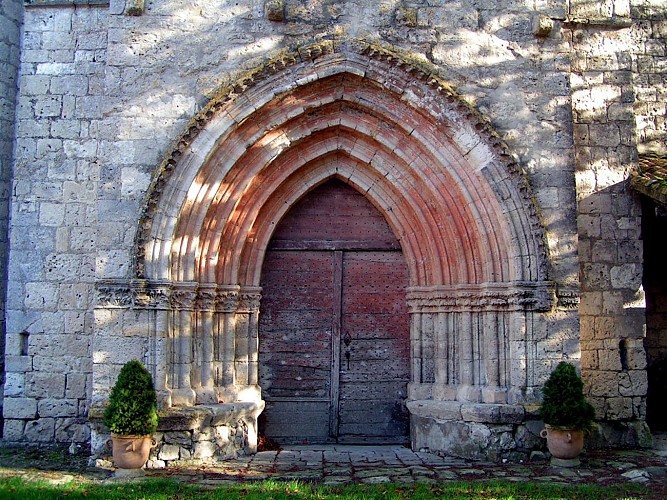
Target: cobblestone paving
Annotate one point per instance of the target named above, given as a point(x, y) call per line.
point(339, 465)
point(344, 464)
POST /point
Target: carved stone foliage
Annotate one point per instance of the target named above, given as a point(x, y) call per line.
point(143, 294)
point(538, 296)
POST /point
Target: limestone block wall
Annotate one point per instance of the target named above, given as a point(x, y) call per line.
point(612, 311)
point(10, 21)
point(650, 74)
point(104, 94)
point(58, 172)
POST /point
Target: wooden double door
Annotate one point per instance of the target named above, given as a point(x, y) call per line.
point(334, 328)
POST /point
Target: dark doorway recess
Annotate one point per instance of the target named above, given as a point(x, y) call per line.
point(334, 328)
point(654, 228)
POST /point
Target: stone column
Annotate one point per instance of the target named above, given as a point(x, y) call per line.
point(206, 296)
point(474, 338)
point(226, 304)
point(247, 338)
point(181, 333)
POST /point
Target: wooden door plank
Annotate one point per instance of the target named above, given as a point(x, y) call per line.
point(295, 327)
point(336, 342)
point(374, 388)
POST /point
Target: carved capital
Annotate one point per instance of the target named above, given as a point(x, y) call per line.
point(206, 298)
point(150, 295)
point(567, 297)
point(249, 300)
point(183, 297)
point(226, 300)
point(111, 295)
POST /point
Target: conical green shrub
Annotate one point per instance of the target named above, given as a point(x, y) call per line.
point(132, 409)
point(564, 404)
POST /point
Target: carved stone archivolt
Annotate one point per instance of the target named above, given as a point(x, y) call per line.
point(392, 128)
point(497, 176)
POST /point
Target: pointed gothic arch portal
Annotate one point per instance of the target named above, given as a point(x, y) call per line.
point(334, 334)
point(393, 130)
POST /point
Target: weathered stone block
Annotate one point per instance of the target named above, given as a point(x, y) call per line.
point(636, 357)
point(638, 382)
point(35, 84)
point(18, 364)
point(589, 360)
point(14, 384)
point(203, 449)
point(602, 383)
point(169, 452)
point(12, 430)
point(41, 296)
point(178, 437)
point(480, 413)
point(610, 360)
point(75, 386)
point(119, 350)
point(619, 408)
point(15, 408)
point(40, 431)
point(626, 276)
point(45, 385)
point(440, 410)
point(72, 430)
point(57, 408)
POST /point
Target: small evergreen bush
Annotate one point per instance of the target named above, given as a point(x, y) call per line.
point(132, 409)
point(564, 404)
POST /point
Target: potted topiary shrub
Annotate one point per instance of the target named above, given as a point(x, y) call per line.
point(566, 414)
point(131, 416)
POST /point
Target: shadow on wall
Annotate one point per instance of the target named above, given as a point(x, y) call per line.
point(612, 303)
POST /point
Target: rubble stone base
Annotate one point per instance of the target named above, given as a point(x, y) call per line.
point(217, 431)
point(474, 431)
point(498, 432)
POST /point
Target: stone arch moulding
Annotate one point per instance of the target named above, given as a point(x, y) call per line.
point(395, 131)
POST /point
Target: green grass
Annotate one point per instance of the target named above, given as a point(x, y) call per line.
point(163, 489)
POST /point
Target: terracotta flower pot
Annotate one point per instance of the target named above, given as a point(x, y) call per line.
point(565, 444)
point(131, 452)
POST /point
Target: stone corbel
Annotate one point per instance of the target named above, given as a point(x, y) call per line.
point(542, 26)
point(274, 10)
point(134, 7)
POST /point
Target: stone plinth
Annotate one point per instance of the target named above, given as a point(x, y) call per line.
point(220, 431)
point(475, 431)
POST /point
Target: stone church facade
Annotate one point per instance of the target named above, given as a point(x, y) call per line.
point(363, 221)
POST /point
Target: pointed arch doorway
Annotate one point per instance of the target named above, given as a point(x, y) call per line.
point(334, 328)
point(474, 246)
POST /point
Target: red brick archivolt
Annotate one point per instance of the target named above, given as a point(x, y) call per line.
point(450, 193)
